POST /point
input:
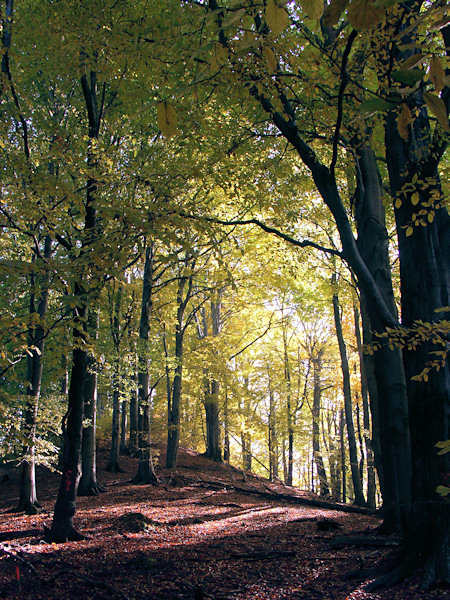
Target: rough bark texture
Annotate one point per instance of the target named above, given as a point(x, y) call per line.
point(424, 280)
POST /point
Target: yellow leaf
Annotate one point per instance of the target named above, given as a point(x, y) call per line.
point(437, 74)
point(398, 203)
point(313, 8)
point(166, 119)
point(415, 199)
point(333, 11)
point(277, 17)
point(437, 107)
point(364, 14)
point(270, 57)
point(409, 231)
point(404, 119)
point(430, 217)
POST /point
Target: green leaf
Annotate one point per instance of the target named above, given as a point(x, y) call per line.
point(444, 446)
point(375, 105)
point(408, 76)
point(276, 17)
point(363, 14)
point(443, 490)
point(313, 8)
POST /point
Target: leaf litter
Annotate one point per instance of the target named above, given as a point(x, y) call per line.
point(207, 532)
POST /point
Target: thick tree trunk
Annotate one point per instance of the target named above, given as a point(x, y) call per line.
point(62, 528)
point(289, 412)
point(390, 413)
point(356, 480)
point(323, 481)
point(424, 282)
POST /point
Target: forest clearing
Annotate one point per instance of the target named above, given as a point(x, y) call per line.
point(212, 532)
point(224, 227)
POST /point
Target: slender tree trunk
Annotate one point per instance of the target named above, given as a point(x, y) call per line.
point(123, 427)
point(134, 397)
point(28, 495)
point(371, 486)
point(290, 416)
point(113, 464)
point(173, 417)
point(89, 485)
point(272, 431)
point(226, 443)
point(317, 368)
point(343, 461)
point(146, 472)
point(357, 484)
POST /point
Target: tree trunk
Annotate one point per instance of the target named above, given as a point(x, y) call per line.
point(146, 472)
point(62, 528)
point(173, 417)
point(89, 485)
point(289, 415)
point(272, 431)
point(123, 427)
point(356, 480)
point(371, 486)
point(226, 442)
point(211, 387)
point(323, 481)
point(390, 413)
point(28, 501)
point(424, 283)
point(343, 461)
point(134, 401)
point(113, 465)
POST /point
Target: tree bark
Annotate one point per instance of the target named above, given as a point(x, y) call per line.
point(146, 471)
point(62, 528)
point(89, 485)
point(356, 480)
point(371, 486)
point(28, 501)
point(317, 368)
point(389, 407)
point(424, 284)
point(174, 404)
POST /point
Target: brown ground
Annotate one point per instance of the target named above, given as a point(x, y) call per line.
point(202, 540)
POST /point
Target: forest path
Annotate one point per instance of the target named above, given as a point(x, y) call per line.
point(206, 532)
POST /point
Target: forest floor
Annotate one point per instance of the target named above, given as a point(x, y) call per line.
point(207, 532)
